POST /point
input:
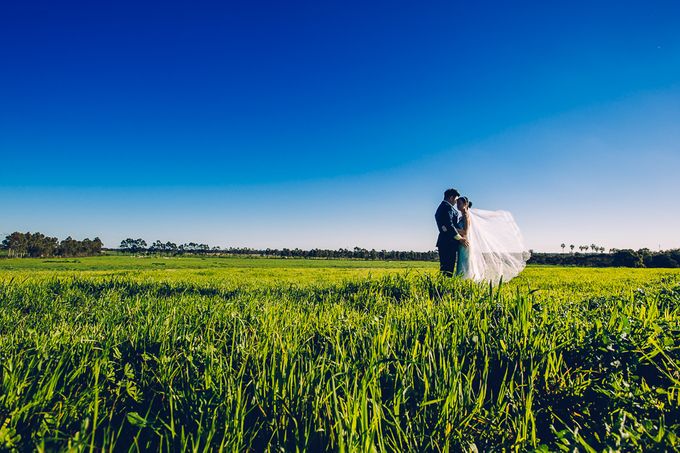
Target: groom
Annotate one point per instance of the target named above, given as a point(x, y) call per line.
point(449, 240)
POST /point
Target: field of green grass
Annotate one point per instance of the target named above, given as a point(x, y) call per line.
point(174, 354)
point(215, 271)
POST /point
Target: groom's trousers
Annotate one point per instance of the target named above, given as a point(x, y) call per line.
point(448, 253)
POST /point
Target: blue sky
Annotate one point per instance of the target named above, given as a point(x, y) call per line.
point(335, 124)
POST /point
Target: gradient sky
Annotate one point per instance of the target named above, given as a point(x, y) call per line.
point(339, 124)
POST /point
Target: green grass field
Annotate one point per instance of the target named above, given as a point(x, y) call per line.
point(150, 353)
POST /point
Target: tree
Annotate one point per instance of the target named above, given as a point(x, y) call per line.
point(127, 245)
point(133, 245)
point(572, 246)
point(675, 254)
point(73, 247)
point(37, 245)
point(68, 247)
point(627, 258)
point(140, 245)
point(97, 245)
point(563, 245)
point(661, 260)
point(16, 245)
point(157, 247)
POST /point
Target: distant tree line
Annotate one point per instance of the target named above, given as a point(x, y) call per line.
point(594, 248)
point(615, 258)
point(39, 245)
point(597, 258)
point(35, 245)
point(139, 246)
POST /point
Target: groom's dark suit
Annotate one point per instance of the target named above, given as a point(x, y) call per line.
point(447, 222)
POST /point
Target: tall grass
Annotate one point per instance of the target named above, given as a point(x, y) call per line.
point(401, 362)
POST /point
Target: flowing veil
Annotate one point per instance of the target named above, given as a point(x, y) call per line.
point(496, 246)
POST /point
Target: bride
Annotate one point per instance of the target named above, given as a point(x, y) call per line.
point(495, 248)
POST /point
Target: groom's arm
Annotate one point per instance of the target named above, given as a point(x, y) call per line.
point(457, 231)
point(446, 223)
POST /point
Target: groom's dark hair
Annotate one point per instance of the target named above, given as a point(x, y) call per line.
point(451, 193)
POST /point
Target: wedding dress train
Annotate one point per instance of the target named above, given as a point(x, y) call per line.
point(496, 248)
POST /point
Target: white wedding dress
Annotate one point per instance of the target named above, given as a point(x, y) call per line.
point(496, 248)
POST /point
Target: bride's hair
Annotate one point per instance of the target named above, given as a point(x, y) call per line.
point(466, 201)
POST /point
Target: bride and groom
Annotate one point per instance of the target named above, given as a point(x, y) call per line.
point(480, 245)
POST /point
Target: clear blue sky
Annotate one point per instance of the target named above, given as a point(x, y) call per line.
point(335, 124)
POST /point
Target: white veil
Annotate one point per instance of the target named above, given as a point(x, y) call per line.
point(496, 246)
